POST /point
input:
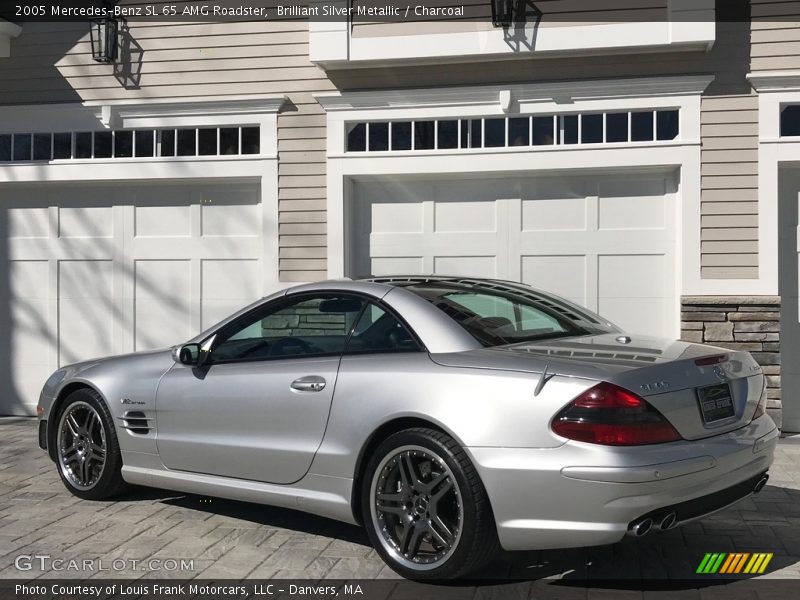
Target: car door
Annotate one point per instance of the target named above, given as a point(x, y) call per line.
point(257, 409)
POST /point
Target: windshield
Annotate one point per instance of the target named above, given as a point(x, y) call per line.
point(498, 317)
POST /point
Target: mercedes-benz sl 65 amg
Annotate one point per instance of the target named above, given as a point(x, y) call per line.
point(449, 416)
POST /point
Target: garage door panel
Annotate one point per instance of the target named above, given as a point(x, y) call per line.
point(162, 312)
point(554, 214)
point(466, 266)
point(86, 222)
point(465, 216)
point(632, 276)
point(397, 217)
point(230, 217)
point(86, 309)
point(162, 221)
point(412, 265)
point(647, 316)
point(562, 275)
point(227, 285)
point(29, 312)
point(33, 222)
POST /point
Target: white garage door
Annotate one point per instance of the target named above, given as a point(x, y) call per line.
point(607, 242)
point(101, 270)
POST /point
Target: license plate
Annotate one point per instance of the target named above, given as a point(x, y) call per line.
point(716, 403)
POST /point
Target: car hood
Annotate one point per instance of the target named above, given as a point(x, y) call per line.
point(79, 368)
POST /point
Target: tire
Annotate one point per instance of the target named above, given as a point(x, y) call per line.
point(86, 447)
point(441, 526)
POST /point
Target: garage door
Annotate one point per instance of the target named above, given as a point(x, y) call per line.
point(96, 271)
point(606, 242)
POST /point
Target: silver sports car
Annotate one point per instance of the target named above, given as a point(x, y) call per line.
point(449, 416)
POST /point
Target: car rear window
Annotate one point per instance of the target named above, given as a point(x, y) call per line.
point(495, 317)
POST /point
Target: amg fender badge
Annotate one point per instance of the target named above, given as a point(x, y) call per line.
point(129, 401)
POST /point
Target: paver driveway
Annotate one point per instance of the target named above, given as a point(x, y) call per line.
point(227, 539)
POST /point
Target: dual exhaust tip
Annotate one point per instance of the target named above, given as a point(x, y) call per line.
point(661, 522)
point(669, 520)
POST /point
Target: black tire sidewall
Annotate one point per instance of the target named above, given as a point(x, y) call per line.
point(452, 567)
point(109, 482)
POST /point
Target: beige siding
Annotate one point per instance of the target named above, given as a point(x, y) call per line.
point(52, 60)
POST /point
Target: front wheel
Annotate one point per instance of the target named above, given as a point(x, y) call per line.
point(87, 451)
point(425, 508)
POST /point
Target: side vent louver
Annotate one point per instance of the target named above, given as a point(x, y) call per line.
point(136, 421)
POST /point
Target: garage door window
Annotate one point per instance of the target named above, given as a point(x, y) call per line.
point(129, 143)
point(790, 120)
point(519, 131)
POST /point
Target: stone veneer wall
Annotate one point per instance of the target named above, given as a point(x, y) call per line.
point(750, 323)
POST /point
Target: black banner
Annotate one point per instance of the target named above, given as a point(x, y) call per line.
point(389, 589)
point(525, 12)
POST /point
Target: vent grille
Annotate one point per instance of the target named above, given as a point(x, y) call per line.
point(136, 422)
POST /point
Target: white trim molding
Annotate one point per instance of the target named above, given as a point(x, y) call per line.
point(687, 25)
point(555, 93)
point(775, 89)
point(130, 114)
point(683, 153)
point(8, 30)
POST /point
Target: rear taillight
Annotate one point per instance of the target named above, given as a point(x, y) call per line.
point(610, 415)
point(762, 403)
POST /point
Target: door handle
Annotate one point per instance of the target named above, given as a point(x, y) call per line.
point(309, 383)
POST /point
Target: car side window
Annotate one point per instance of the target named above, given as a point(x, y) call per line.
point(308, 326)
point(380, 331)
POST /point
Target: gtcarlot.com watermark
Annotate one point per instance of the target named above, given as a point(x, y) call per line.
point(46, 562)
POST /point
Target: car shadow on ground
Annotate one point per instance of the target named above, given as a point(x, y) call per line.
point(766, 523)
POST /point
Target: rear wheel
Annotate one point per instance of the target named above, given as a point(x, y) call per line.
point(87, 451)
point(425, 508)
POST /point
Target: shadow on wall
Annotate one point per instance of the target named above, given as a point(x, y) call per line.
point(50, 60)
point(31, 74)
point(128, 68)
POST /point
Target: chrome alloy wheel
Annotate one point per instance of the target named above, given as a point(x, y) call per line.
point(416, 508)
point(81, 445)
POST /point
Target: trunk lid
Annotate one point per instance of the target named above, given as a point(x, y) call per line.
point(667, 373)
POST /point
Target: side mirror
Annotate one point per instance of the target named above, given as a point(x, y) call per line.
point(188, 354)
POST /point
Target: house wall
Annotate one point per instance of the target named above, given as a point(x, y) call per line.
point(51, 62)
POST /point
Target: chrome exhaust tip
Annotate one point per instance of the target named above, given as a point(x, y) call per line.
point(641, 528)
point(761, 483)
point(668, 522)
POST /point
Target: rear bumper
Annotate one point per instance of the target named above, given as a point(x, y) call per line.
point(585, 495)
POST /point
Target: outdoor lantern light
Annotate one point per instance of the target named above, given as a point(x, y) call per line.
point(104, 39)
point(502, 12)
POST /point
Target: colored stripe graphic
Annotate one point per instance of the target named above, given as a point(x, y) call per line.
point(758, 563)
point(728, 563)
point(734, 563)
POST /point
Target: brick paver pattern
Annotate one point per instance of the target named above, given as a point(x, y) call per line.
point(227, 539)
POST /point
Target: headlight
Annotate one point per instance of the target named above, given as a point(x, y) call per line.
point(55, 379)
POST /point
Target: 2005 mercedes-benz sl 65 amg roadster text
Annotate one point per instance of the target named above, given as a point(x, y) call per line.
point(449, 416)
